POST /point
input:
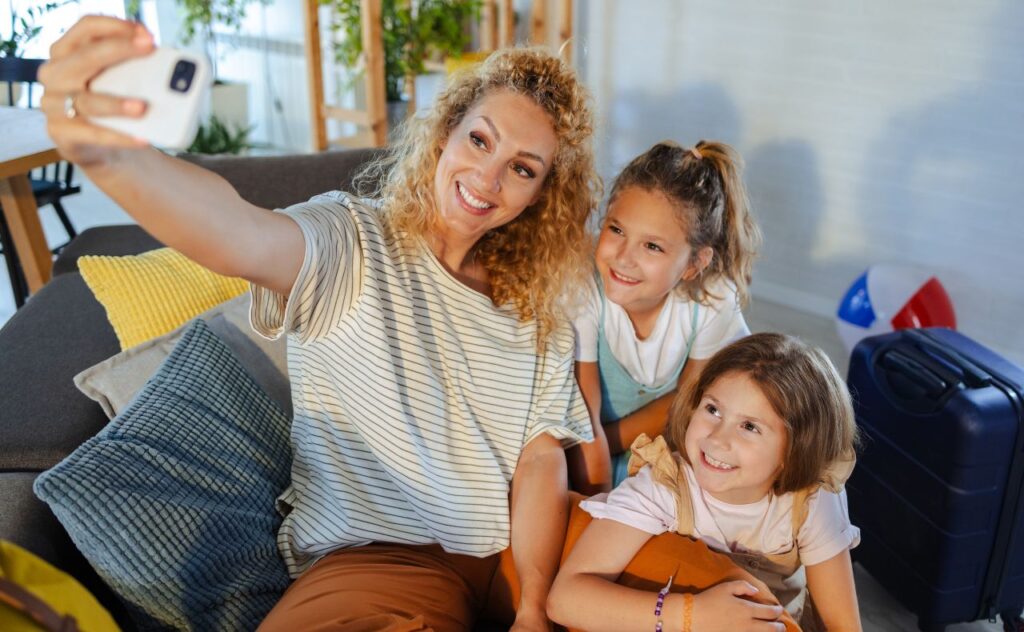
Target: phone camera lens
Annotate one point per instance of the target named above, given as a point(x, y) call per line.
point(181, 79)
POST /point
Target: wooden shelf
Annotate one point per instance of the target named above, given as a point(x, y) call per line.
point(497, 30)
point(372, 120)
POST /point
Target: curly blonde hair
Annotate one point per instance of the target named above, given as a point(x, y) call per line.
point(705, 184)
point(542, 256)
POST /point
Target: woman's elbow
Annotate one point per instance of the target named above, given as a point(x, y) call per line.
point(543, 454)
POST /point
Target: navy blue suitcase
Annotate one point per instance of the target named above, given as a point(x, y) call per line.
point(937, 487)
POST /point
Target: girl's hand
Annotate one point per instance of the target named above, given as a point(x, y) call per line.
point(93, 44)
point(724, 608)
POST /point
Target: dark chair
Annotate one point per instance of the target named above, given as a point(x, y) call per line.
point(18, 284)
point(50, 184)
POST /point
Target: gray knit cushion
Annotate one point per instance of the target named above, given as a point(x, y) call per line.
point(173, 502)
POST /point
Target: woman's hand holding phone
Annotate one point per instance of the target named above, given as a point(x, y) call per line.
point(183, 205)
point(93, 44)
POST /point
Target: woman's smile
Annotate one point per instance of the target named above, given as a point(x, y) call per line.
point(472, 203)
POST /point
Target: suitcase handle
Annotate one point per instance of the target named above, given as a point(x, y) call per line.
point(973, 375)
point(895, 362)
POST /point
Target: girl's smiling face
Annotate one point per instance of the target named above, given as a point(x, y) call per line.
point(643, 251)
point(735, 441)
point(492, 166)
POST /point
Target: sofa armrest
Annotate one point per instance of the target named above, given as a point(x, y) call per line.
point(60, 331)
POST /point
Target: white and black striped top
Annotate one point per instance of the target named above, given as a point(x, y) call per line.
point(413, 394)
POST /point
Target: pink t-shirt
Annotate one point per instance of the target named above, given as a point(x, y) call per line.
point(763, 527)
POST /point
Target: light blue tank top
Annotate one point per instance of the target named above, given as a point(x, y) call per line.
point(620, 393)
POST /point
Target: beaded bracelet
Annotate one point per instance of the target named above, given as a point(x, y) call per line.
point(661, 602)
point(687, 612)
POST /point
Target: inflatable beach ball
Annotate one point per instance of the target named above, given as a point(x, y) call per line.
point(889, 297)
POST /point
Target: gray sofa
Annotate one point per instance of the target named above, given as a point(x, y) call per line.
point(63, 330)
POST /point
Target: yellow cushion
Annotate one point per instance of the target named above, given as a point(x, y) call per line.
point(153, 293)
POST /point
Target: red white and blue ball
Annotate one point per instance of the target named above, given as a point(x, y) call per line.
point(890, 297)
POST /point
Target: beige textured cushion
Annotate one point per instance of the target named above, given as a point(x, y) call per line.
point(114, 382)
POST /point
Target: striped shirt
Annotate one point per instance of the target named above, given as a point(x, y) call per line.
point(413, 394)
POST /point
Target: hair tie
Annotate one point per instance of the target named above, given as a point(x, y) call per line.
point(696, 153)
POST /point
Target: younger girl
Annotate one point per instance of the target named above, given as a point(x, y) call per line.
point(673, 264)
point(765, 440)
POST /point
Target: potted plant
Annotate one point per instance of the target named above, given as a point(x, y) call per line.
point(228, 99)
point(215, 137)
point(413, 32)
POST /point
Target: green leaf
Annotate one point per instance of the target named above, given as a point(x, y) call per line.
point(436, 28)
point(24, 28)
point(201, 15)
point(216, 138)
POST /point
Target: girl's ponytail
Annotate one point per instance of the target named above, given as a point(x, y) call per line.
point(739, 240)
point(705, 182)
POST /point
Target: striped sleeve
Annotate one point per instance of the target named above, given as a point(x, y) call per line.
point(329, 279)
point(559, 409)
point(585, 324)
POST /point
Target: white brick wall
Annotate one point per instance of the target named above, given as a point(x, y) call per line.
point(873, 132)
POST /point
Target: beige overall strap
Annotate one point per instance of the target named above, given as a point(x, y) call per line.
point(665, 471)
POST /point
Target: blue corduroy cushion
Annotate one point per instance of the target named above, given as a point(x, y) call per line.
point(173, 502)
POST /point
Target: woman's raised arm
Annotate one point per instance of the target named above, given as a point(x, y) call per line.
point(184, 206)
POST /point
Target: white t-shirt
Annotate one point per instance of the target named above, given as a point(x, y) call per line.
point(764, 527)
point(413, 394)
point(653, 361)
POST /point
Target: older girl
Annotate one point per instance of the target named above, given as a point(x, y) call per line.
point(673, 266)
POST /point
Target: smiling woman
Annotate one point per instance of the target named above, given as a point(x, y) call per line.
point(532, 260)
point(492, 168)
point(430, 364)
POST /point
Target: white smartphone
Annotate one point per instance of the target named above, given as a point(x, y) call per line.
point(173, 83)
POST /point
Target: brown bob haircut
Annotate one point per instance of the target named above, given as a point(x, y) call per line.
point(804, 389)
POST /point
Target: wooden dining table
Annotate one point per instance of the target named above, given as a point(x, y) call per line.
point(24, 145)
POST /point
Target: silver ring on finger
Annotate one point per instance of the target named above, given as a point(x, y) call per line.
point(70, 107)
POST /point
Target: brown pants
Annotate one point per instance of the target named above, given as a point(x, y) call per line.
point(386, 588)
point(395, 588)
